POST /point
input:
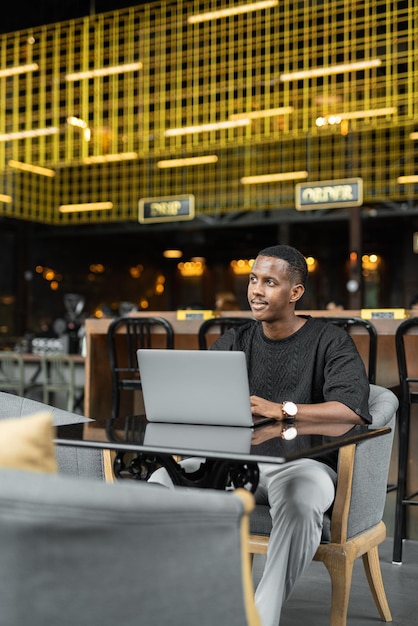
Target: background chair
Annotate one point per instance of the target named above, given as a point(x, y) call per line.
point(408, 394)
point(348, 323)
point(12, 372)
point(78, 552)
point(219, 325)
point(125, 336)
point(356, 527)
point(58, 376)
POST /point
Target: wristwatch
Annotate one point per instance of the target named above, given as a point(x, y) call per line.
point(289, 430)
point(290, 410)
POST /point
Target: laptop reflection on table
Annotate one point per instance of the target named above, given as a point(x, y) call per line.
point(196, 438)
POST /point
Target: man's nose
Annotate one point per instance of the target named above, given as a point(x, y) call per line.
point(257, 287)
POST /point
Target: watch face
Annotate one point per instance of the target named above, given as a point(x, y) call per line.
point(290, 408)
point(289, 432)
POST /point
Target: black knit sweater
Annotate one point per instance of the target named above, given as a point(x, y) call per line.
point(318, 363)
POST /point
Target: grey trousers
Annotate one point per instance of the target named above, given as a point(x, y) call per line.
point(299, 493)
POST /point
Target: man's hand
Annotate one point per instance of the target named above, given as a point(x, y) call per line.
point(261, 406)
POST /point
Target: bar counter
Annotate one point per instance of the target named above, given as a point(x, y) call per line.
point(98, 381)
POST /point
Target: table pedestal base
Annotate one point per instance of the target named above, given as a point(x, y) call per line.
point(212, 473)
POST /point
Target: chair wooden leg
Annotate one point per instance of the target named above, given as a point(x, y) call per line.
point(374, 576)
point(340, 569)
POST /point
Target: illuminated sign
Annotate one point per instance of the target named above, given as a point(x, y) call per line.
point(329, 194)
point(170, 209)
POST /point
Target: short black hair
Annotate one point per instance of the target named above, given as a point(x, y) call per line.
point(298, 269)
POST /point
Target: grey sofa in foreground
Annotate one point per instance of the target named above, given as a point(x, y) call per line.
point(74, 461)
point(76, 552)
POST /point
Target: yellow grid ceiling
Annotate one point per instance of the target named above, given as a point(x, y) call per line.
point(151, 71)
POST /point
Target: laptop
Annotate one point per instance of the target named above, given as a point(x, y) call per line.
point(196, 387)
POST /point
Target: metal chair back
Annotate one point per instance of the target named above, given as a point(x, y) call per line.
point(125, 336)
point(12, 373)
point(408, 394)
point(58, 376)
point(219, 324)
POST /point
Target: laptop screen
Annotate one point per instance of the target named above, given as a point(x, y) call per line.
point(195, 386)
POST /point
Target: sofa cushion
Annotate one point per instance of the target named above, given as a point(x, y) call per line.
point(27, 443)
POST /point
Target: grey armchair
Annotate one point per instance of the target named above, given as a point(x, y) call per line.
point(78, 552)
point(356, 527)
point(80, 462)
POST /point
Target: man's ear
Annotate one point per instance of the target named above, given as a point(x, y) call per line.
point(296, 293)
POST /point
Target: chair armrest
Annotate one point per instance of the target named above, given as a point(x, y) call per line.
point(341, 508)
point(248, 502)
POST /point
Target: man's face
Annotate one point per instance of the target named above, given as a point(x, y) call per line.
point(269, 290)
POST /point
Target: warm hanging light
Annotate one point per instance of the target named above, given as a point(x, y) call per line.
point(194, 267)
point(104, 71)
point(5, 198)
point(241, 267)
point(312, 264)
point(172, 254)
point(370, 262)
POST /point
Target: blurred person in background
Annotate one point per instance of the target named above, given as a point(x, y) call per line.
point(335, 305)
point(226, 301)
point(413, 306)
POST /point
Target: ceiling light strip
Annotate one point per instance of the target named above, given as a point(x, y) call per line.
point(77, 122)
point(236, 10)
point(188, 130)
point(110, 158)
point(404, 180)
point(85, 206)
point(29, 134)
point(337, 118)
point(201, 160)
point(18, 69)
point(273, 178)
point(252, 115)
point(352, 115)
point(104, 71)
point(32, 169)
point(332, 69)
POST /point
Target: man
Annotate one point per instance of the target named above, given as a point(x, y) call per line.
point(311, 369)
point(413, 306)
